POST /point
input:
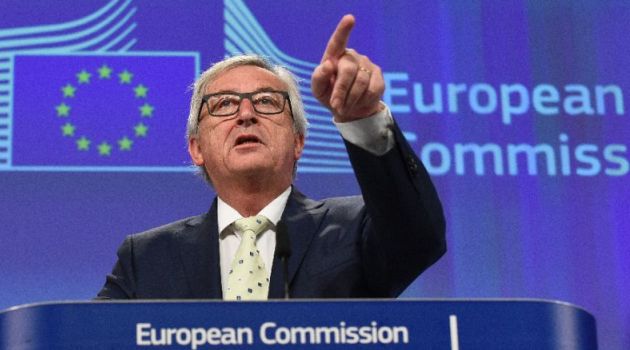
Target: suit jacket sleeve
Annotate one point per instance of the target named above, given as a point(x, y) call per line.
point(404, 232)
point(120, 284)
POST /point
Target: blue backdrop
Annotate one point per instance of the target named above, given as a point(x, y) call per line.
point(517, 108)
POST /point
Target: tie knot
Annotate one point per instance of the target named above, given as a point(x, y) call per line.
point(256, 224)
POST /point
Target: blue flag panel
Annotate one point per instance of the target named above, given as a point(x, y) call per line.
point(101, 110)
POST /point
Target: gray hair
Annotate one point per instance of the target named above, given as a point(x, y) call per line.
point(291, 81)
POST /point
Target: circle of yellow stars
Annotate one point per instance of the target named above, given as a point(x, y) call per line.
point(84, 78)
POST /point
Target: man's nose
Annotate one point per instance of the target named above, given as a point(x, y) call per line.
point(246, 114)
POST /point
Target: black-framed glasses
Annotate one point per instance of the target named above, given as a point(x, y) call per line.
point(225, 104)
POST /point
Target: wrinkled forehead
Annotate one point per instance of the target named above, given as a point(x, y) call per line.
point(244, 79)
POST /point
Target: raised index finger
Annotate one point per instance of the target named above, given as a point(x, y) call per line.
point(339, 40)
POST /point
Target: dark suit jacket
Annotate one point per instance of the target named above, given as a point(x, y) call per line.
point(369, 246)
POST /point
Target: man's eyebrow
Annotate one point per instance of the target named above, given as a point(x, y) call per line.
point(262, 89)
point(223, 92)
point(266, 89)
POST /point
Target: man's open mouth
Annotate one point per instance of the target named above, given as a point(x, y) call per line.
point(243, 139)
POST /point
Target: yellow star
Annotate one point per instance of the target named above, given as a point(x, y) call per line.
point(63, 110)
point(141, 90)
point(104, 72)
point(124, 144)
point(104, 149)
point(84, 77)
point(141, 130)
point(125, 77)
point(68, 129)
point(83, 144)
point(146, 110)
point(68, 90)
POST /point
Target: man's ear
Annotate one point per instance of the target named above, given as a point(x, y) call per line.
point(299, 146)
point(194, 149)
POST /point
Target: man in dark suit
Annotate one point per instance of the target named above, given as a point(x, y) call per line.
point(246, 132)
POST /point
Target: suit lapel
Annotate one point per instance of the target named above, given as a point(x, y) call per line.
point(199, 247)
point(199, 253)
point(303, 217)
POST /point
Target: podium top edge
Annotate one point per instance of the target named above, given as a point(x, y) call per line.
point(213, 301)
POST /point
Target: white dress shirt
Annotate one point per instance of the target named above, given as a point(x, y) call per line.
point(372, 134)
point(230, 240)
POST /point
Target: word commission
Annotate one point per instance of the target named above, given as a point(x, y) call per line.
point(270, 333)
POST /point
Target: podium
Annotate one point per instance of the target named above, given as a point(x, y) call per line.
point(295, 324)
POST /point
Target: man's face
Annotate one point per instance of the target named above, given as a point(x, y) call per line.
point(246, 144)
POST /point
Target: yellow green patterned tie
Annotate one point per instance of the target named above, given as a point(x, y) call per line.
point(247, 279)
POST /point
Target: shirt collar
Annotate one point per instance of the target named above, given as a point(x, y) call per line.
point(226, 215)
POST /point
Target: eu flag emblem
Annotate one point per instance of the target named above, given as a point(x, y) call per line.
point(101, 110)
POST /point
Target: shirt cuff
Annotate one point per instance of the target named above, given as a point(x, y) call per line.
point(373, 133)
